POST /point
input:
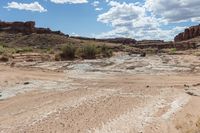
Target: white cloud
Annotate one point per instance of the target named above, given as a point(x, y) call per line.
point(98, 9)
point(121, 14)
point(35, 6)
point(174, 10)
point(143, 21)
point(74, 34)
point(95, 4)
point(141, 34)
point(128, 20)
point(69, 1)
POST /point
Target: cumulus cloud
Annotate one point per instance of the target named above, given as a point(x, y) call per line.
point(120, 14)
point(98, 9)
point(147, 20)
point(174, 10)
point(128, 20)
point(69, 1)
point(95, 4)
point(141, 33)
point(35, 6)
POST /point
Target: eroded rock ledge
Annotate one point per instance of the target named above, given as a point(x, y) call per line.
point(25, 28)
point(189, 33)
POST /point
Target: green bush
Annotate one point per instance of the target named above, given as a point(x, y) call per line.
point(79, 52)
point(173, 50)
point(2, 44)
point(105, 51)
point(24, 50)
point(57, 57)
point(89, 52)
point(68, 52)
point(51, 51)
point(150, 51)
point(2, 50)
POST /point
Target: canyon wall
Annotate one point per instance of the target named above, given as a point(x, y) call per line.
point(189, 33)
point(25, 28)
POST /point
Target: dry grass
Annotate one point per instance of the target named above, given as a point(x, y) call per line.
point(86, 51)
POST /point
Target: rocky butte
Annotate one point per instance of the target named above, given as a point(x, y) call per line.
point(189, 33)
point(25, 28)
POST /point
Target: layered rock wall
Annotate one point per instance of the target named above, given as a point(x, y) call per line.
point(189, 33)
point(25, 28)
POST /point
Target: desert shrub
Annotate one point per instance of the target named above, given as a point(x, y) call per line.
point(57, 57)
point(173, 50)
point(79, 52)
point(106, 52)
point(24, 50)
point(2, 49)
point(89, 51)
point(151, 51)
point(68, 52)
point(4, 58)
point(3, 44)
point(51, 51)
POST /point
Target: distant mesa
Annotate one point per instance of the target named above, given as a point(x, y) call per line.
point(109, 40)
point(25, 28)
point(119, 40)
point(189, 33)
point(28, 27)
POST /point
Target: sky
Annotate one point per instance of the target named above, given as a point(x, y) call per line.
point(138, 19)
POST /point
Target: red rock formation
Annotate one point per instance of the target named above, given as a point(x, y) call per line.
point(168, 45)
point(25, 28)
point(15, 27)
point(189, 33)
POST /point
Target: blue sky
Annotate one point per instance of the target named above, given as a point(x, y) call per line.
point(140, 19)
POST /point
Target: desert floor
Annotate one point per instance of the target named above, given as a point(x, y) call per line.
point(123, 94)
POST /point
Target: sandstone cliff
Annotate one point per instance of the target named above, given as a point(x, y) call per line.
point(25, 28)
point(189, 33)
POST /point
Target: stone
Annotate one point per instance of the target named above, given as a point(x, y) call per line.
point(26, 83)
